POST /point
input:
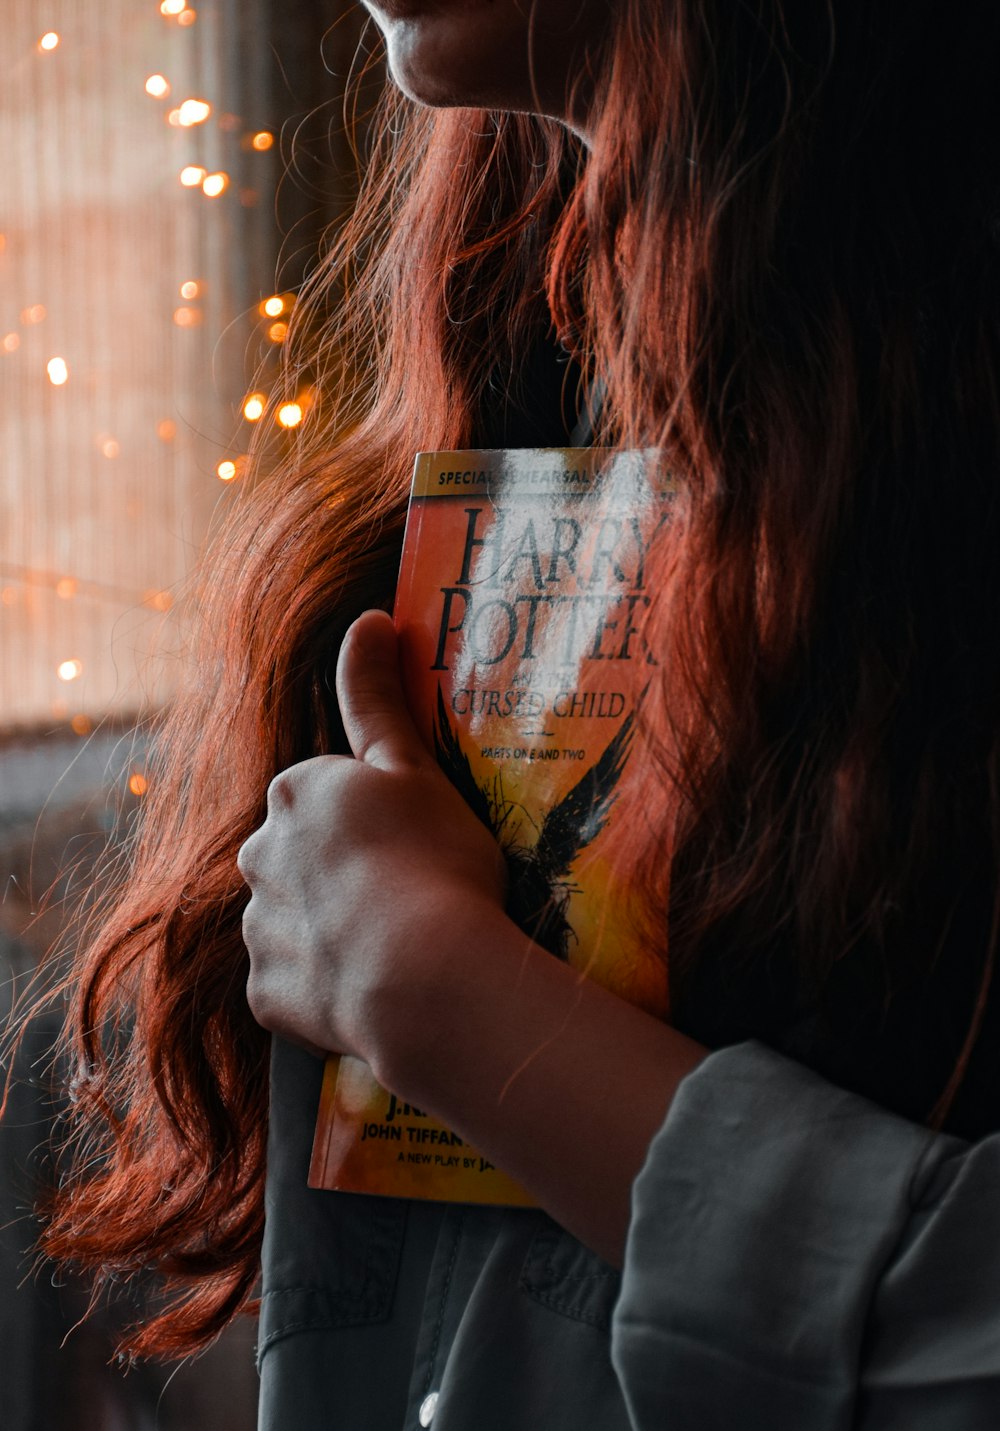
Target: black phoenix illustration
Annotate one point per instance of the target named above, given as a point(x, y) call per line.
point(539, 889)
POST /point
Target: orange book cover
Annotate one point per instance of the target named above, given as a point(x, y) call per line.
point(520, 609)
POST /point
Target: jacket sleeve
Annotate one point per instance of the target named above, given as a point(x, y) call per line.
point(801, 1260)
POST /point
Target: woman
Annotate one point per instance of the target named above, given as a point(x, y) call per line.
point(765, 232)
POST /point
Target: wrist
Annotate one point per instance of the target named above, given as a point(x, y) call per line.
point(443, 986)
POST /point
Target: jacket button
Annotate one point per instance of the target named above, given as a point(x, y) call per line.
point(428, 1407)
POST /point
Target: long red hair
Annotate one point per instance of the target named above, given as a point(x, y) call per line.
point(780, 260)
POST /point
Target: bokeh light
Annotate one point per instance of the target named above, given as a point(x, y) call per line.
point(193, 111)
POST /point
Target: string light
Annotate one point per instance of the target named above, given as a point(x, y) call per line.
point(193, 111)
point(188, 113)
point(137, 783)
point(272, 307)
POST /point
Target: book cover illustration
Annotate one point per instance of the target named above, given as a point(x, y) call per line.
point(520, 609)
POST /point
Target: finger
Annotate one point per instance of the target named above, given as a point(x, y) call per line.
point(377, 722)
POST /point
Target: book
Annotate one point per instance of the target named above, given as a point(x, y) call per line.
point(520, 610)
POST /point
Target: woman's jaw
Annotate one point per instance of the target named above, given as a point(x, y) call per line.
point(534, 56)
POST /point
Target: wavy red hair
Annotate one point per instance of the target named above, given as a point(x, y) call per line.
point(781, 262)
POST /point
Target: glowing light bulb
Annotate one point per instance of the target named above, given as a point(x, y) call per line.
point(187, 16)
point(290, 414)
point(187, 317)
point(69, 670)
point(37, 313)
point(253, 408)
point(272, 307)
point(66, 588)
point(262, 140)
point(190, 289)
point(158, 600)
point(11, 342)
point(192, 176)
point(81, 725)
point(214, 185)
point(158, 86)
point(193, 111)
point(137, 783)
point(166, 430)
point(226, 471)
point(111, 448)
point(172, 7)
point(58, 372)
point(278, 332)
point(49, 41)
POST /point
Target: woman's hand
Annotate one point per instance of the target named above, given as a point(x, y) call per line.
point(367, 875)
point(377, 928)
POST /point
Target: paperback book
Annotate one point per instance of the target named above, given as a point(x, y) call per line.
point(521, 608)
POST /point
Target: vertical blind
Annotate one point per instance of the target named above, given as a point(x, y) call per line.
point(128, 320)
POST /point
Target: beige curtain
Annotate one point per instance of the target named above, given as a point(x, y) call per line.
point(109, 479)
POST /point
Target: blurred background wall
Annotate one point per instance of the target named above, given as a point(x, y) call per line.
point(151, 241)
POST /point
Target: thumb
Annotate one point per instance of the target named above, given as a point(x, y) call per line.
point(377, 722)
